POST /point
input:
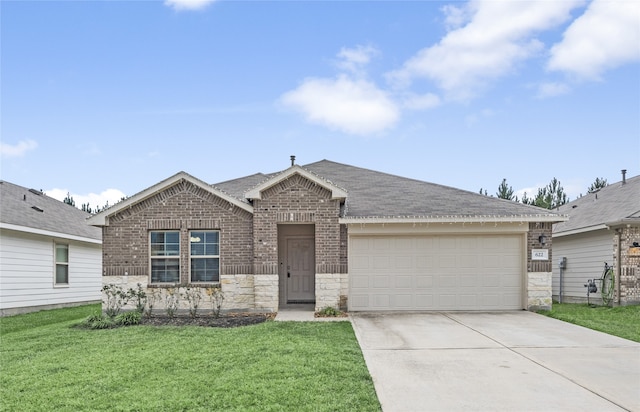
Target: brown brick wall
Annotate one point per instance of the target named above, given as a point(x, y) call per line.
point(182, 207)
point(298, 200)
point(535, 230)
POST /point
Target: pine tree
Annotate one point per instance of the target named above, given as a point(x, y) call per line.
point(505, 191)
point(69, 200)
point(598, 184)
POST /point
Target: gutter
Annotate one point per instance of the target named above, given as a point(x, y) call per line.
point(453, 219)
point(60, 235)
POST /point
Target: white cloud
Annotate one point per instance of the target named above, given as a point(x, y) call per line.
point(95, 200)
point(354, 60)
point(496, 37)
point(421, 102)
point(552, 89)
point(606, 36)
point(17, 150)
point(474, 118)
point(352, 106)
point(188, 4)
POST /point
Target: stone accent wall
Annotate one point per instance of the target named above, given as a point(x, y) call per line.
point(539, 291)
point(327, 290)
point(629, 266)
point(238, 293)
point(266, 293)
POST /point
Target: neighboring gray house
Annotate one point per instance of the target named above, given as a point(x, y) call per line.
point(603, 226)
point(333, 235)
point(49, 256)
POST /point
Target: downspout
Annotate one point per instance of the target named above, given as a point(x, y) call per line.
point(561, 281)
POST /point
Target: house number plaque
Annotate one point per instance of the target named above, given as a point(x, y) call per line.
point(539, 254)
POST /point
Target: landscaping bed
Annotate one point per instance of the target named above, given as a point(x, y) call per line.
point(230, 320)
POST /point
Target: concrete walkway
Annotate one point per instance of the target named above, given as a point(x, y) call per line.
point(510, 361)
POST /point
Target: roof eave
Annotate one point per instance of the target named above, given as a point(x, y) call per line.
point(452, 219)
point(102, 218)
point(50, 233)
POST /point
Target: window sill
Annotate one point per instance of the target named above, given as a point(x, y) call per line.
point(183, 285)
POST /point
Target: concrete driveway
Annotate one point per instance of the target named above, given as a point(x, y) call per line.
point(509, 361)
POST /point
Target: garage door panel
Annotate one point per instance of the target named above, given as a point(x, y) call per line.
point(436, 272)
point(359, 282)
point(468, 280)
point(381, 301)
point(402, 301)
point(424, 281)
point(404, 281)
point(381, 282)
point(382, 262)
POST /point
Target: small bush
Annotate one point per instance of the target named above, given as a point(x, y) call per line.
point(139, 296)
point(172, 301)
point(216, 296)
point(98, 321)
point(116, 299)
point(329, 312)
point(193, 298)
point(128, 318)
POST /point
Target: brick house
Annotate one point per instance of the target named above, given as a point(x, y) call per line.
point(333, 235)
point(603, 226)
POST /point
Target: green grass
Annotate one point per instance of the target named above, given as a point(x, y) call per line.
point(622, 321)
point(48, 364)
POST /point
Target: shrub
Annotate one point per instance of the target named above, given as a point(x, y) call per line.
point(217, 297)
point(193, 298)
point(139, 296)
point(98, 321)
point(328, 312)
point(152, 298)
point(116, 299)
point(128, 318)
point(172, 301)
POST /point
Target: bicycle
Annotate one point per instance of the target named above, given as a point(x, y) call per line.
point(607, 284)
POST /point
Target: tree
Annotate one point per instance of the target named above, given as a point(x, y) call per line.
point(69, 200)
point(549, 197)
point(505, 191)
point(598, 184)
point(483, 192)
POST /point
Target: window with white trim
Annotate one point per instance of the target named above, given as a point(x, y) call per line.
point(61, 277)
point(165, 256)
point(205, 255)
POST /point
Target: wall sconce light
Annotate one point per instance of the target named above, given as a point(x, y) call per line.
point(542, 239)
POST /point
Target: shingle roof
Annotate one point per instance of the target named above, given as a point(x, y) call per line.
point(373, 194)
point(28, 208)
point(615, 203)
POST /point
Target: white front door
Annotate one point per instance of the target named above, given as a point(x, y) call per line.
point(300, 270)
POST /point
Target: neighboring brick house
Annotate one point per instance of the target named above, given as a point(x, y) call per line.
point(333, 235)
point(49, 256)
point(603, 226)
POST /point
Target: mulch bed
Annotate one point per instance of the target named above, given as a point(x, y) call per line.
point(230, 320)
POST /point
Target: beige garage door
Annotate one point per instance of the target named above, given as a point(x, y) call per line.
point(435, 272)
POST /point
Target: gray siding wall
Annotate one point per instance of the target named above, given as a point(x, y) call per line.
point(27, 273)
point(586, 254)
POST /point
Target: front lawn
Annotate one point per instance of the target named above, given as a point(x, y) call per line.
point(622, 321)
point(47, 364)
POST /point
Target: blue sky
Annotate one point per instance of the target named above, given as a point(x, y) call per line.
point(106, 98)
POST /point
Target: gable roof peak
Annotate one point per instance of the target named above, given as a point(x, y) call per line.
point(100, 219)
point(256, 192)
